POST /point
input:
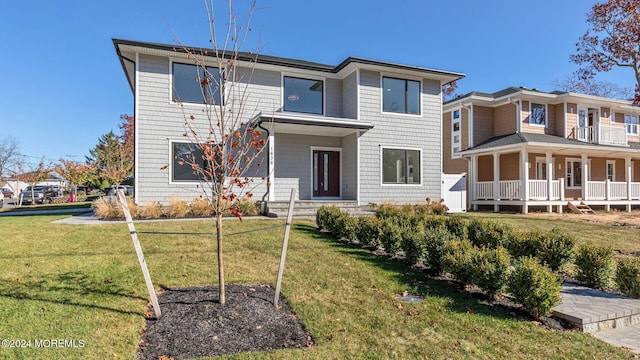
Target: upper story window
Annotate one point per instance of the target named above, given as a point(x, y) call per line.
point(400, 96)
point(196, 84)
point(303, 95)
point(631, 121)
point(538, 114)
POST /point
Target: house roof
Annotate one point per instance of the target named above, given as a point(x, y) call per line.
point(513, 93)
point(516, 139)
point(126, 49)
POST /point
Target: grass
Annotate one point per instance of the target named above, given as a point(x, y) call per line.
point(619, 238)
point(84, 283)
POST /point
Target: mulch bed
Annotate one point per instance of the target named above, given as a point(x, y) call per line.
point(194, 324)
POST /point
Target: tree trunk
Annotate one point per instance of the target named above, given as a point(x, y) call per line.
point(221, 292)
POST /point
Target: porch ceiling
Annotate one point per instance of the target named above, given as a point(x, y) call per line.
point(304, 124)
point(557, 144)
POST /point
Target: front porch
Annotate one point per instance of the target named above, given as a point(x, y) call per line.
point(551, 194)
point(526, 170)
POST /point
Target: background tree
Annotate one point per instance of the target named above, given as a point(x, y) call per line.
point(110, 159)
point(127, 134)
point(226, 151)
point(33, 175)
point(75, 172)
point(9, 154)
point(612, 40)
point(591, 86)
point(448, 91)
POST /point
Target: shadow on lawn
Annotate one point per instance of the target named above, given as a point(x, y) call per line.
point(415, 281)
point(69, 288)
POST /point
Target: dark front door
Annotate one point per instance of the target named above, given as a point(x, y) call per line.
point(326, 173)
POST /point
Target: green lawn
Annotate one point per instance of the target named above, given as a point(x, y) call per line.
point(84, 283)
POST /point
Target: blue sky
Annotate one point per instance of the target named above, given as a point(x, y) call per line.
point(61, 85)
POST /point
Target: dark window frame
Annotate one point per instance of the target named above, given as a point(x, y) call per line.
point(387, 108)
point(186, 175)
point(407, 167)
point(285, 95)
point(218, 96)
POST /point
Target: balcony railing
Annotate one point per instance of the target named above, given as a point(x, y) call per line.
point(606, 135)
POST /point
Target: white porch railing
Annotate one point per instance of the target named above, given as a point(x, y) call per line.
point(512, 190)
point(484, 190)
point(612, 190)
point(606, 135)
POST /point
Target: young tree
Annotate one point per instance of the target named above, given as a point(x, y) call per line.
point(9, 153)
point(33, 175)
point(226, 151)
point(612, 40)
point(75, 172)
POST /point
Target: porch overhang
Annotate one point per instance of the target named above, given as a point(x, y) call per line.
point(304, 124)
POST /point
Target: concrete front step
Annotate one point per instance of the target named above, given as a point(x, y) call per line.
point(310, 207)
point(594, 310)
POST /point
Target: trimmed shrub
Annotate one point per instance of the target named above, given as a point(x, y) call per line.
point(458, 260)
point(594, 265)
point(435, 246)
point(489, 234)
point(554, 248)
point(391, 236)
point(368, 231)
point(457, 226)
point(413, 244)
point(534, 286)
point(491, 270)
point(385, 211)
point(628, 276)
point(431, 208)
point(344, 226)
point(325, 217)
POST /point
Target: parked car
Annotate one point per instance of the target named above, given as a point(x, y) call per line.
point(111, 191)
point(7, 193)
point(41, 194)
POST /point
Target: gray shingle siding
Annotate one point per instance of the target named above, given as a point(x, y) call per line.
point(349, 167)
point(399, 131)
point(350, 96)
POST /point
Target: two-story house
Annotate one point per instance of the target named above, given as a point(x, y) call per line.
point(364, 130)
point(528, 148)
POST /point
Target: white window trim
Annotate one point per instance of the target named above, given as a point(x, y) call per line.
point(584, 178)
point(400, 77)
point(636, 125)
point(543, 160)
point(223, 95)
point(546, 115)
point(323, 148)
point(610, 162)
point(305, 77)
point(382, 148)
point(455, 155)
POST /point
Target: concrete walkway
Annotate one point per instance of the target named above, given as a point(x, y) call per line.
point(609, 317)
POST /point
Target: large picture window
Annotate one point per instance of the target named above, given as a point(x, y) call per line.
point(303, 95)
point(400, 96)
point(192, 84)
point(400, 166)
point(538, 114)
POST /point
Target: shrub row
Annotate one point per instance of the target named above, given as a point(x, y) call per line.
point(442, 243)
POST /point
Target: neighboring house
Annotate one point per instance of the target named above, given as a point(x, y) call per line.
point(529, 148)
point(364, 130)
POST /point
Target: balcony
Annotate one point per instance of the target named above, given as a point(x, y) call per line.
point(604, 135)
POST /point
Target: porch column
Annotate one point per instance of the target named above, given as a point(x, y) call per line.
point(549, 161)
point(524, 179)
point(628, 176)
point(272, 169)
point(585, 172)
point(474, 181)
point(496, 181)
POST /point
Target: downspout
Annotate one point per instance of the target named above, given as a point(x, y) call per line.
point(516, 103)
point(263, 204)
